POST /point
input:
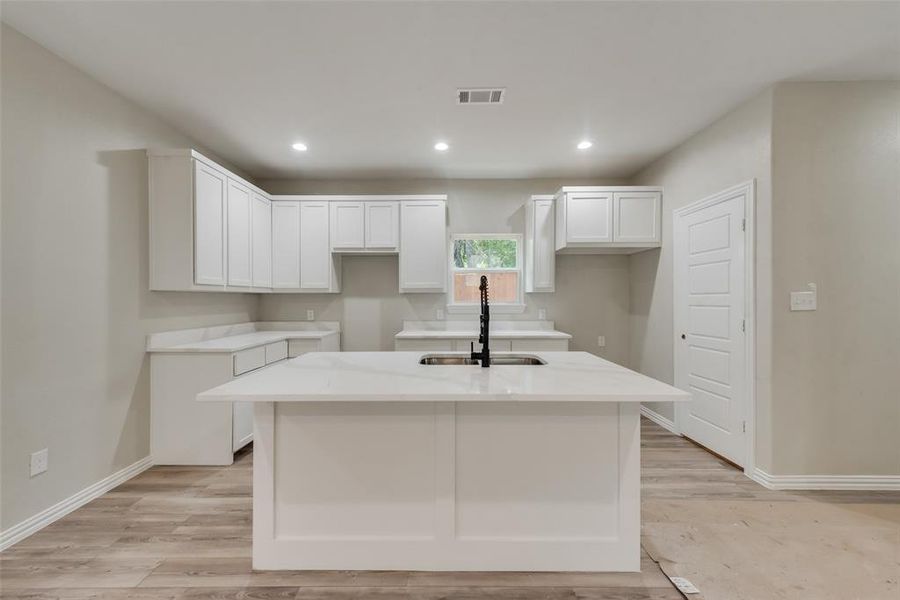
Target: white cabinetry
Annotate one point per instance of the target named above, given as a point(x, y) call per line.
point(636, 217)
point(423, 246)
point(608, 219)
point(540, 251)
point(261, 235)
point(382, 226)
point(184, 431)
point(360, 226)
point(319, 269)
point(286, 244)
point(202, 225)
point(301, 253)
point(348, 226)
point(239, 261)
point(210, 217)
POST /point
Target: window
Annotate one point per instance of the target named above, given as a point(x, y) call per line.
point(499, 256)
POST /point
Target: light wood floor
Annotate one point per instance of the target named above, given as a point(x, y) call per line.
point(184, 532)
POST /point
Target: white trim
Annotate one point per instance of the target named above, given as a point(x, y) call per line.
point(357, 197)
point(659, 420)
point(37, 522)
point(749, 190)
point(825, 482)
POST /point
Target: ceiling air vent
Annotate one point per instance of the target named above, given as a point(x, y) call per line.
point(480, 96)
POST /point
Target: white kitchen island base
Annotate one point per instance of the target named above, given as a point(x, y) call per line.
point(487, 486)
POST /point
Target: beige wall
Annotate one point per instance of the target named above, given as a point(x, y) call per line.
point(592, 291)
point(732, 150)
point(74, 275)
point(836, 216)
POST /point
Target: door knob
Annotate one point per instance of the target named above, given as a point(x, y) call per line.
point(683, 336)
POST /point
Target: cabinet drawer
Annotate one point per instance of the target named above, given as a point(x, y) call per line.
point(276, 351)
point(298, 347)
point(247, 360)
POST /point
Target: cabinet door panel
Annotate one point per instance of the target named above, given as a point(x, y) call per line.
point(589, 217)
point(636, 217)
point(315, 253)
point(544, 253)
point(347, 226)
point(423, 246)
point(210, 214)
point(382, 225)
point(261, 217)
point(238, 234)
point(286, 245)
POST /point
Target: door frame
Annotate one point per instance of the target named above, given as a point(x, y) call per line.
point(748, 188)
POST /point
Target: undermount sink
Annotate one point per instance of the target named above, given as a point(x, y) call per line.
point(496, 360)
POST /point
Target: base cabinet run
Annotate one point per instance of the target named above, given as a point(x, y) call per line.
point(184, 431)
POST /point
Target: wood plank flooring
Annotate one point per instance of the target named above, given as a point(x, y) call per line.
point(184, 533)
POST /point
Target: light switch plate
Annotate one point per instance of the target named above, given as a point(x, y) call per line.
point(804, 300)
point(310, 315)
point(39, 462)
point(601, 341)
point(439, 314)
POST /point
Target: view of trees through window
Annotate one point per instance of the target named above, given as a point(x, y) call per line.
point(485, 254)
point(497, 258)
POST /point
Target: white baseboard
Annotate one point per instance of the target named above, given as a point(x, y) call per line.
point(826, 482)
point(21, 531)
point(659, 419)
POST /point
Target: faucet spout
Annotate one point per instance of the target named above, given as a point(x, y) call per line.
point(484, 332)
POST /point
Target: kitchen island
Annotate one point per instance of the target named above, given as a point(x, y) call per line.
point(371, 460)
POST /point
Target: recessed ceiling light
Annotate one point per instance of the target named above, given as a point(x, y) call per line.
point(442, 146)
point(299, 147)
point(584, 145)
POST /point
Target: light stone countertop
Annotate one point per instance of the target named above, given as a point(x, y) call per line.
point(236, 343)
point(501, 330)
point(239, 336)
point(398, 377)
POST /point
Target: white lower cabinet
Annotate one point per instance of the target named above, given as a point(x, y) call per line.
point(185, 431)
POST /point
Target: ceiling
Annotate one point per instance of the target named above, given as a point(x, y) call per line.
point(370, 86)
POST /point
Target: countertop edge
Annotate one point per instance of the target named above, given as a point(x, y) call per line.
point(288, 335)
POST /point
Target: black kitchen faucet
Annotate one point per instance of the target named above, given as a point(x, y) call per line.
point(484, 334)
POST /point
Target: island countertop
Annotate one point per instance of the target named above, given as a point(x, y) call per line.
point(398, 377)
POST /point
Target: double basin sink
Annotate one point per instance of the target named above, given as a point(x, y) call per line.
point(498, 360)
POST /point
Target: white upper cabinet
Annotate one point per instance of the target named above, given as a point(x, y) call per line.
point(286, 244)
point(210, 218)
point(540, 255)
point(317, 265)
point(382, 226)
point(261, 235)
point(348, 226)
point(636, 216)
point(423, 246)
point(608, 219)
point(239, 262)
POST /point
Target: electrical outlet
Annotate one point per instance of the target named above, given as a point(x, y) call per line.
point(39, 462)
point(601, 341)
point(439, 314)
point(310, 315)
point(542, 314)
point(804, 300)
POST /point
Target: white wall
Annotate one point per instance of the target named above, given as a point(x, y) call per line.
point(734, 149)
point(592, 291)
point(836, 221)
point(75, 306)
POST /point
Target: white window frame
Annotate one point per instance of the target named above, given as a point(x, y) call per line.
point(496, 307)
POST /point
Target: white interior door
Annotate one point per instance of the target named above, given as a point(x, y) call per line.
point(710, 360)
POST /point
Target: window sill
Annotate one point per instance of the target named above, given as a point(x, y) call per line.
point(496, 309)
